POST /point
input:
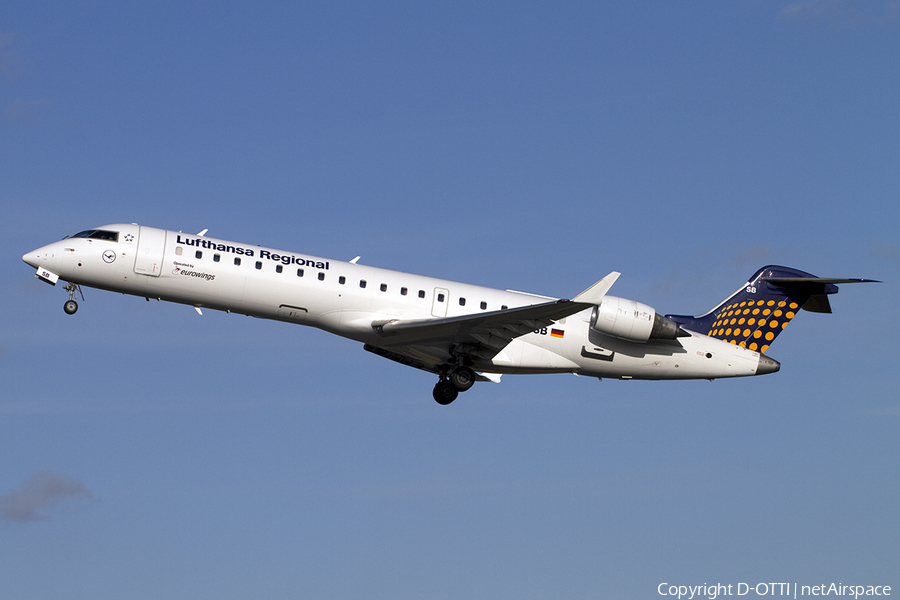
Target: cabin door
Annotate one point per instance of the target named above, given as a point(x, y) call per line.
point(151, 247)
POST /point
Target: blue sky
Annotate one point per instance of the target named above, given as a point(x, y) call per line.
point(148, 452)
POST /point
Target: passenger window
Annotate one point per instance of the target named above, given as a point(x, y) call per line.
point(216, 258)
point(342, 280)
point(321, 276)
point(383, 287)
point(237, 261)
point(362, 283)
point(462, 301)
point(178, 250)
point(484, 306)
point(440, 297)
point(259, 264)
point(279, 268)
point(199, 253)
point(299, 272)
point(421, 293)
point(403, 291)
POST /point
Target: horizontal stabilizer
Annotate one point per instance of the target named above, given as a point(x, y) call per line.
point(817, 288)
point(786, 281)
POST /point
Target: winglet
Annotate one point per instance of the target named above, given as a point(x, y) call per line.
point(595, 293)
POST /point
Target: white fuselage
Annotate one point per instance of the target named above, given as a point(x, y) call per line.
point(345, 298)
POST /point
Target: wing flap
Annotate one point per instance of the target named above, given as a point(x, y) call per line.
point(500, 324)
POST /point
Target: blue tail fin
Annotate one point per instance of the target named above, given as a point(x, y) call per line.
point(754, 315)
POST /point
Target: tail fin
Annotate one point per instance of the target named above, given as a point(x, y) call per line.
point(754, 315)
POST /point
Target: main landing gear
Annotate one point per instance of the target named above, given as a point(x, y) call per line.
point(448, 388)
point(71, 306)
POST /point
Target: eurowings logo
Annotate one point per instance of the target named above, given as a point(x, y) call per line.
point(190, 273)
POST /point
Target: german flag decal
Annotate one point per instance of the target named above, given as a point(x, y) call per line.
point(557, 333)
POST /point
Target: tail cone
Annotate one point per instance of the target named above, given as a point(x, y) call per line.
point(767, 365)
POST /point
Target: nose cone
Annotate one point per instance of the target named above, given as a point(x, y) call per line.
point(45, 256)
point(32, 259)
point(767, 365)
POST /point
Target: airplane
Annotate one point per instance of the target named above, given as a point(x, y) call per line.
point(460, 332)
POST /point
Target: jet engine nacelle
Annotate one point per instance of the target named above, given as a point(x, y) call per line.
point(632, 321)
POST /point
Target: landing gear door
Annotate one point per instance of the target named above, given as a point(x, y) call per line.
point(151, 247)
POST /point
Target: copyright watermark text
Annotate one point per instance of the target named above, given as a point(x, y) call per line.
point(793, 590)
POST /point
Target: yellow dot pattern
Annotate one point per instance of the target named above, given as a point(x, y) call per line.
point(749, 322)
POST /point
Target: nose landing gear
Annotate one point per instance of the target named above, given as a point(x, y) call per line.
point(71, 306)
point(447, 389)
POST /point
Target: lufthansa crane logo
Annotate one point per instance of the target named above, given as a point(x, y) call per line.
point(109, 256)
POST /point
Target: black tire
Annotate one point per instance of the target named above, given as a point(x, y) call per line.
point(444, 393)
point(462, 378)
point(70, 307)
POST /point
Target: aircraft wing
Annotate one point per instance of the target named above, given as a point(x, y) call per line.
point(484, 334)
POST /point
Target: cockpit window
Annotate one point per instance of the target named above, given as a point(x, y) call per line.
point(98, 234)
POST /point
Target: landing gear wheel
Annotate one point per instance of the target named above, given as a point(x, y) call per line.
point(71, 306)
point(462, 378)
point(445, 393)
